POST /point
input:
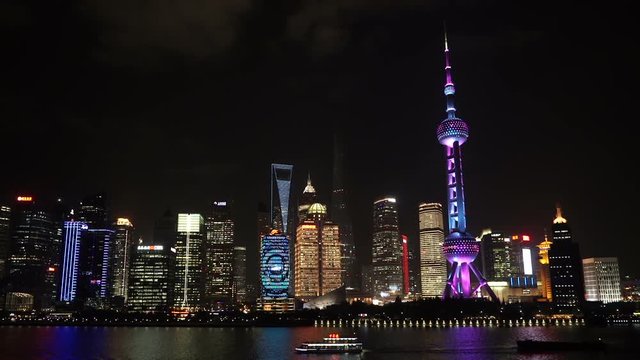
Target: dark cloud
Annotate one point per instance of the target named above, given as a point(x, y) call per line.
point(139, 31)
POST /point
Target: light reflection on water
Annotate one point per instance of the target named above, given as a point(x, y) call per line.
point(469, 343)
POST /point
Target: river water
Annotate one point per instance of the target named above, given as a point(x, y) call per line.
point(118, 343)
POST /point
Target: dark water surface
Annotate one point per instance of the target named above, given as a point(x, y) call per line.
point(51, 342)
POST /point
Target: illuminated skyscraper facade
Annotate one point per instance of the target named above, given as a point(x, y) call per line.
point(121, 258)
point(275, 273)
point(460, 248)
point(95, 258)
point(406, 284)
point(317, 255)
point(543, 268)
point(387, 249)
point(71, 260)
point(496, 256)
point(5, 238)
point(151, 279)
point(433, 266)
point(218, 255)
point(602, 279)
point(189, 274)
point(307, 199)
point(32, 255)
point(340, 215)
point(565, 268)
point(280, 195)
point(239, 289)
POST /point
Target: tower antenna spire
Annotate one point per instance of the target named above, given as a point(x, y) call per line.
point(449, 87)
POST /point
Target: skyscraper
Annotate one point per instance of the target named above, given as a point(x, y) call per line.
point(317, 255)
point(71, 260)
point(387, 249)
point(93, 211)
point(164, 230)
point(433, 266)
point(460, 248)
point(95, 257)
point(218, 255)
point(280, 192)
point(189, 276)
point(406, 285)
point(31, 253)
point(151, 278)
point(306, 200)
point(239, 289)
point(340, 215)
point(121, 258)
point(543, 268)
point(5, 238)
point(496, 259)
point(565, 267)
point(275, 267)
point(602, 279)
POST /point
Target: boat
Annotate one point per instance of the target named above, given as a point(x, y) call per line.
point(534, 346)
point(333, 344)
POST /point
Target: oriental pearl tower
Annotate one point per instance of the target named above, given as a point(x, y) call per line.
point(460, 248)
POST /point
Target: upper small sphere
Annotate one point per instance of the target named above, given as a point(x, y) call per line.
point(452, 130)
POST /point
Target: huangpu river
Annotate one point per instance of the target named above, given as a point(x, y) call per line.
point(93, 342)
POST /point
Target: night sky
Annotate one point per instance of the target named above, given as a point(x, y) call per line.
point(175, 104)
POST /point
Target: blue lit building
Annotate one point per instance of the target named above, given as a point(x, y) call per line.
point(275, 266)
point(275, 276)
point(71, 259)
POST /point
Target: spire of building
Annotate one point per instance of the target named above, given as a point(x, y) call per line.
point(559, 219)
point(449, 87)
point(309, 188)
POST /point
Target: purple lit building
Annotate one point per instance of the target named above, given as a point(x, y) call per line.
point(460, 248)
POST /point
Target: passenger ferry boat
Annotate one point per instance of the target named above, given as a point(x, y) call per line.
point(334, 344)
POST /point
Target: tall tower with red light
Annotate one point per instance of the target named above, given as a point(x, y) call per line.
point(459, 247)
point(405, 264)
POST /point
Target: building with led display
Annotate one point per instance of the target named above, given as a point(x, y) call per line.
point(565, 268)
point(32, 254)
point(433, 265)
point(151, 278)
point(218, 256)
point(121, 258)
point(459, 247)
point(387, 250)
point(239, 289)
point(189, 274)
point(317, 255)
point(340, 215)
point(602, 279)
point(275, 268)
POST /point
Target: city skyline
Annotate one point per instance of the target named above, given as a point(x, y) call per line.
point(559, 155)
